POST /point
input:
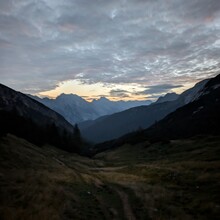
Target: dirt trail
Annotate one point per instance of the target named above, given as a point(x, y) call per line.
point(88, 175)
point(59, 161)
point(106, 168)
point(126, 205)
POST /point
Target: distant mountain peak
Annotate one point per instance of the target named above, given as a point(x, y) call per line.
point(168, 97)
point(101, 99)
point(193, 93)
point(63, 95)
point(70, 98)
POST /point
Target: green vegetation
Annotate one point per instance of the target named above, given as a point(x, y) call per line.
point(175, 180)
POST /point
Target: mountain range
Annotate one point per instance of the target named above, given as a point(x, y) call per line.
point(75, 109)
point(142, 117)
point(198, 117)
point(23, 108)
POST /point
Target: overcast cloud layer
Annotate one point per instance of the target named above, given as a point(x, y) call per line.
point(148, 42)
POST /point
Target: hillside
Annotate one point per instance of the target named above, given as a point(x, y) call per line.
point(179, 180)
point(198, 117)
point(131, 120)
point(167, 98)
point(29, 119)
point(11, 100)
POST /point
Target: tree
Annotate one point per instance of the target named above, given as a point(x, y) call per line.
point(77, 132)
point(77, 138)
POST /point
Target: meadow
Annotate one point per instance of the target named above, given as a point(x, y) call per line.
point(175, 180)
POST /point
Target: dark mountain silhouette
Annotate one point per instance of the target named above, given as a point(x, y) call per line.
point(116, 125)
point(29, 119)
point(198, 117)
point(167, 98)
point(202, 116)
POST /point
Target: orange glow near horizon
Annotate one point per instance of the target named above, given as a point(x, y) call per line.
point(76, 87)
point(95, 91)
point(92, 91)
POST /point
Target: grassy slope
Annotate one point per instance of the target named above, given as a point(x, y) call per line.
point(179, 180)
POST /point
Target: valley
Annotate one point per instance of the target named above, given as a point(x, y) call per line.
point(166, 169)
point(175, 180)
point(109, 110)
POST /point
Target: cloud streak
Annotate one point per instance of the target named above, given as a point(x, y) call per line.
point(119, 93)
point(43, 43)
point(158, 89)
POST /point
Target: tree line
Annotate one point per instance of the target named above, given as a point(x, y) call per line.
point(12, 122)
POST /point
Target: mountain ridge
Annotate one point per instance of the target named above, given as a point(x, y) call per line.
point(167, 98)
point(31, 120)
point(75, 109)
point(199, 117)
point(136, 118)
point(13, 99)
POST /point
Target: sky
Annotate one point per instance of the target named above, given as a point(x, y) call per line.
point(120, 49)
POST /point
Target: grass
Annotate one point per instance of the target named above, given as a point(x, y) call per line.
point(176, 180)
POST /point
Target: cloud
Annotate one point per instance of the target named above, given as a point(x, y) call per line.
point(119, 93)
point(158, 89)
point(43, 43)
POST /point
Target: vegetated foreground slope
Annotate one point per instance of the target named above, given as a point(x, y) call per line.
point(29, 119)
point(177, 180)
point(11, 100)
